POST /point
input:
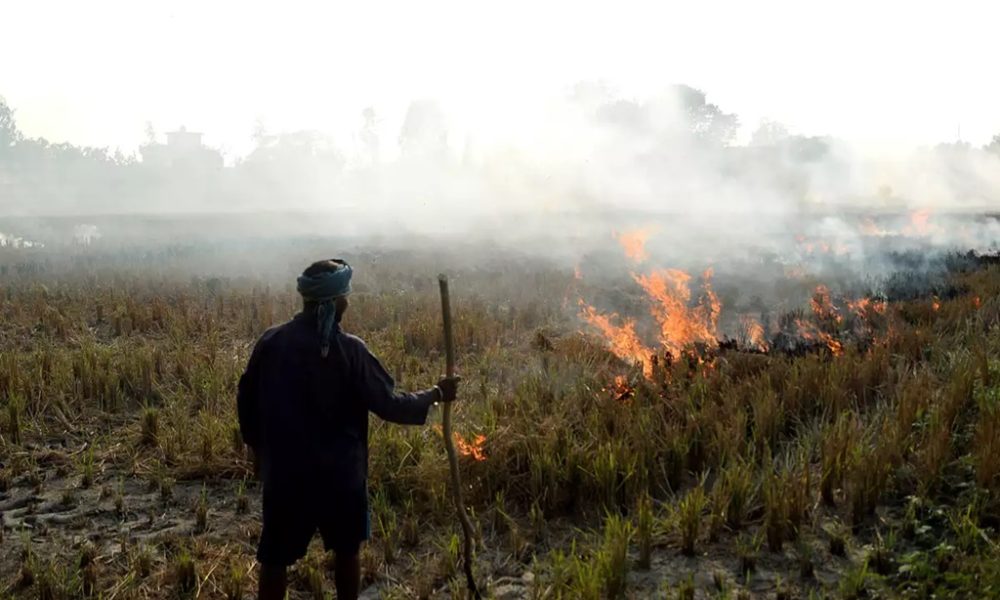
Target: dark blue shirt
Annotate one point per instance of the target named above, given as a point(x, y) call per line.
point(306, 416)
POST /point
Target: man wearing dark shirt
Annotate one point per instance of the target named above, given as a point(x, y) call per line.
point(303, 409)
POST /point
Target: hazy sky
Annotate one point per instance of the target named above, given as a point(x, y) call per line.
point(882, 72)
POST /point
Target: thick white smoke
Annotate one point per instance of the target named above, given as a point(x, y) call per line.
point(559, 182)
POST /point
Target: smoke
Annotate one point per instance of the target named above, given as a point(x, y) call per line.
point(561, 183)
point(596, 162)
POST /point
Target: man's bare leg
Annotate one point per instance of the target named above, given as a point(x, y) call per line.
point(272, 583)
point(347, 575)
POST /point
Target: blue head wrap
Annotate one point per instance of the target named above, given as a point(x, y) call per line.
point(323, 289)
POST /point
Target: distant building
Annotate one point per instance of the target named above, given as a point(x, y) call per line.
point(184, 150)
point(182, 139)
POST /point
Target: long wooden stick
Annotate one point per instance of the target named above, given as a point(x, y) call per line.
point(449, 444)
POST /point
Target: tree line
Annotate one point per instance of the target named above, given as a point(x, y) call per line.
point(307, 169)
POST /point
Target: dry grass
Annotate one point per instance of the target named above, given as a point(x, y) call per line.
point(131, 378)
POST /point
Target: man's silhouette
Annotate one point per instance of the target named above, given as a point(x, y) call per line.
point(303, 408)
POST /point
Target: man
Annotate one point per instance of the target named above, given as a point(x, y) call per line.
point(303, 408)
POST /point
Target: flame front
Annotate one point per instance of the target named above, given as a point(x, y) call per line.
point(822, 306)
point(919, 223)
point(809, 331)
point(623, 340)
point(634, 244)
point(689, 324)
point(753, 333)
point(866, 307)
point(870, 229)
point(681, 325)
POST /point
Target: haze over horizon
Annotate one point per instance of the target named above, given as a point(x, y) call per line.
point(892, 76)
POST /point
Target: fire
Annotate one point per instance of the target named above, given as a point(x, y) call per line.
point(867, 313)
point(465, 448)
point(822, 305)
point(811, 332)
point(634, 243)
point(624, 341)
point(935, 304)
point(812, 248)
point(976, 302)
point(806, 245)
point(864, 307)
point(869, 228)
point(688, 321)
point(753, 333)
point(680, 324)
point(577, 274)
point(474, 449)
point(919, 222)
point(620, 389)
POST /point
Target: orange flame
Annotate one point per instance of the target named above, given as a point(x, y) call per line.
point(822, 305)
point(753, 332)
point(811, 332)
point(866, 308)
point(474, 449)
point(865, 305)
point(621, 390)
point(634, 243)
point(810, 247)
point(919, 222)
point(869, 228)
point(624, 342)
point(620, 382)
point(464, 448)
point(805, 244)
point(680, 324)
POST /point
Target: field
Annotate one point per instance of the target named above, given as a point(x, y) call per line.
point(847, 446)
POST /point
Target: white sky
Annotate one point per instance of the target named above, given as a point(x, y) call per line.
point(879, 72)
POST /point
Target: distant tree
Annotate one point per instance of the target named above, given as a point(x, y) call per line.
point(425, 131)
point(769, 133)
point(297, 158)
point(994, 145)
point(953, 149)
point(809, 148)
point(9, 134)
point(692, 116)
point(150, 133)
point(626, 114)
point(591, 95)
point(707, 121)
point(259, 133)
point(369, 135)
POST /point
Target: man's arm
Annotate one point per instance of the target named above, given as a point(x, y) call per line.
point(379, 391)
point(247, 401)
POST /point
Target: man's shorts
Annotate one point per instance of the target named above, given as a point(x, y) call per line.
point(291, 520)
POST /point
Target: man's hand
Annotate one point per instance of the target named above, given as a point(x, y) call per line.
point(449, 388)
